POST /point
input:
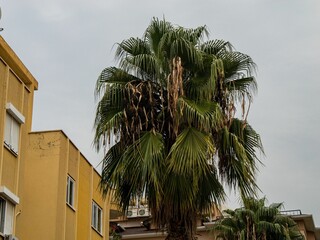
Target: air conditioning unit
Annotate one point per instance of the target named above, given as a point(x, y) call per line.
point(131, 213)
point(11, 237)
point(143, 212)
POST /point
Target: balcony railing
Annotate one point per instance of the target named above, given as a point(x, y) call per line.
point(291, 212)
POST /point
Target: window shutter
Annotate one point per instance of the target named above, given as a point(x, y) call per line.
point(2, 214)
point(7, 131)
point(8, 225)
point(15, 135)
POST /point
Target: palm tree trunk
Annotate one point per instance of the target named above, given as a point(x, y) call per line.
point(179, 231)
point(254, 232)
point(248, 228)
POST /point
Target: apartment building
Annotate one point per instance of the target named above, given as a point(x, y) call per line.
point(63, 189)
point(305, 223)
point(17, 87)
point(137, 223)
point(132, 228)
point(48, 189)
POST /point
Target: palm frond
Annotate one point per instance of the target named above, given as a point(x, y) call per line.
point(236, 63)
point(132, 47)
point(144, 66)
point(189, 154)
point(154, 33)
point(110, 173)
point(195, 35)
point(237, 156)
point(214, 47)
point(144, 158)
point(176, 44)
point(111, 75)
point(204, 115)
point(109, 115)
point(242, 89)
point(190, 176)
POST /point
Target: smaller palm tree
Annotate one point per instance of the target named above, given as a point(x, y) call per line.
point(255, 221)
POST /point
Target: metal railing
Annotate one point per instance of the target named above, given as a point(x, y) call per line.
point(291, 212)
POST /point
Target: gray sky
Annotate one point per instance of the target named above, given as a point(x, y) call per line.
point(66, 43)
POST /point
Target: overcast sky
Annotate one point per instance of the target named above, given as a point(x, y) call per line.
point(66, 44)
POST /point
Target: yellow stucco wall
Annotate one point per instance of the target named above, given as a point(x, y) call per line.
point(38, 202)
point(17, 87)
point(51, 158)
point(38, 173)
point(10, 170)
point(84, 203)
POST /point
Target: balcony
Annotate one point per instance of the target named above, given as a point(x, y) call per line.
point(296, 212)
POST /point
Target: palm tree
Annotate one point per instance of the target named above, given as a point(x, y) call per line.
point(257, 222)
point(169, 109)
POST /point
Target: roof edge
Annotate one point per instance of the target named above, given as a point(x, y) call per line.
point(15, 63)
point(66, 136)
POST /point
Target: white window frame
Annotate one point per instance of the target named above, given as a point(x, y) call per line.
point(8, 202)
point(97, 214)
point(14, 119)
point(6, 216)
point(71, 185)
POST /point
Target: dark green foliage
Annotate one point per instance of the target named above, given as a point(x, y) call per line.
point(171, 105)
point(255, 221)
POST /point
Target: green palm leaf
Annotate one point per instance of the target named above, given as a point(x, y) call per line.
point(214, 47)
point(255, 221)
point(202, 115)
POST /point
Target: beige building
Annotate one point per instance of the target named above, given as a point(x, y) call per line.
point(305, 223)
point(133, 229)
point(135, 224)
point(48, 189)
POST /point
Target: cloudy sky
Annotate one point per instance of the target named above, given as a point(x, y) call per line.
point(66, 43)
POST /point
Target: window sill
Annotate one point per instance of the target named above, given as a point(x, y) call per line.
point(10, 149)
point(96, 231)
point(70, 206)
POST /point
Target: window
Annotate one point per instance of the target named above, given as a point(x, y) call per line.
point(6, 216)
point(2, 214)
point(96, 217)
point(11, 136)
point(12, 128)
point(70, 191)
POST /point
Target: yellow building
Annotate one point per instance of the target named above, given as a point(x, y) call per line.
point(60, 191)
point(48, 190)
point(17, 87)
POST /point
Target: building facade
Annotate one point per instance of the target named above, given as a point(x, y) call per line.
point(133, 229)
point(63, 189)
point(305, 224)
point(48, 189)
point(17, 88)
point(137, 223)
